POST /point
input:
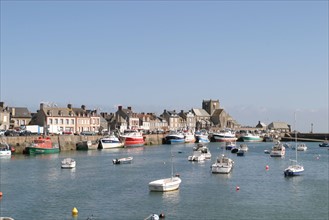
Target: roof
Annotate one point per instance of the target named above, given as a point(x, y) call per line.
point(20, 112)
point(200, 112)
point(278, 125)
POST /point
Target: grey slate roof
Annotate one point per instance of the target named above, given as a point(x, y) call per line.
point(200, 112)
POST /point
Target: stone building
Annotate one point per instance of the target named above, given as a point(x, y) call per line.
point(188, 120)
point(4, 117)
point(202, 119)
point(126, 119)
point(175, 122)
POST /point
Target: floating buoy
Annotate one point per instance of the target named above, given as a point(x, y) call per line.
point(267, 167)
point(0, 194)
point(74, 211)
point(162, 215)
point(237, 188)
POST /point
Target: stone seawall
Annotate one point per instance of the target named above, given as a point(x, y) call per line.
point(68, 142)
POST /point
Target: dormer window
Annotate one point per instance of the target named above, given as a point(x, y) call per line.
point(70, 113)
point(59, 112)
point(48, 112)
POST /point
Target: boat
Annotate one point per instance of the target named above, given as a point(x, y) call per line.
point(174, 137)
point(87, 145)
point(203, 149)
point(68, 163)
point(223, 165)
point(132, 138)
point(240, 152)
point(300, 147)
point(5, 150)
point(243, 147)
point(278, 150)
point(295, 169)
point(197, 156)
point(168, 184)
point(110, 141)
point(42, 145)
point(249, 137)
point(189, 137)
point(124, 160)
point(224, 136)
point(230, 145)
point(325, 143)
point(201, 137)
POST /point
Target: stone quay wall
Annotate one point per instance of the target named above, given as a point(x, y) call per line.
point(68, 142)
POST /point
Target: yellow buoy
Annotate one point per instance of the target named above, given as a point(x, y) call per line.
point(74, 211)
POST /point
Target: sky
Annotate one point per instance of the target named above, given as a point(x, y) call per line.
point(263, 60)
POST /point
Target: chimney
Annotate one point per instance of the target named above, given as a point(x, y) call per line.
point(41, 106)
point(129, 108)
point(2, 104)
point(83, 107)
point(13, 111)
point(69, 106)
point(120, 107)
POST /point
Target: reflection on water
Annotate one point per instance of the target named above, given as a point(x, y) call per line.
point(171, 196)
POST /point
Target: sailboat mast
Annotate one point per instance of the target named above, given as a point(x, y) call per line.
point(295, 137)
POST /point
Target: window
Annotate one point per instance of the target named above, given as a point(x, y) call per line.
point(61, 121)
point(51, 121)
point(56, 121)
point(67, 121)
point(72, 121)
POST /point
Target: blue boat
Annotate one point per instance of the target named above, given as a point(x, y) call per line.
point(174, 138)
point(324, 144)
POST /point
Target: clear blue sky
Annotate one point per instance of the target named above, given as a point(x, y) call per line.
point(263, 60)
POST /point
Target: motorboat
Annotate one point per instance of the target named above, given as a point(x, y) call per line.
point(197, 156)
point(174, 138)
point(203, 149)
point(189, 137)
point(243, 147)
point(324, 144)
point(278, 150)
point(5, 150)
point(300, 147)
point(240, 152)
point(68, 163)
point(223, 165)
point(224, 136)
point(124, 160)
point(110, 141)
point(230, 145)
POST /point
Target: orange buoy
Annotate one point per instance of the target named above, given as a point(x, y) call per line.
point(0, 194)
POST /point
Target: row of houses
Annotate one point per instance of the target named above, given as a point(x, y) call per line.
point(77, 120)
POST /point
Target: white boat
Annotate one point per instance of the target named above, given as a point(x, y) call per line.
point(189, 137)
point(244, 147)
point(168, 184)
point(278, 150)
point(203, 149)
point(300, 147)
point(294, 169)
point(4, 150)
point(197, 156)
point(124, 160)
point(68, 163)
point(223, 164)
point(109, 142)
point(224, 136)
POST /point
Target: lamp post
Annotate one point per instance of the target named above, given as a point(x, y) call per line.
point(311, 127)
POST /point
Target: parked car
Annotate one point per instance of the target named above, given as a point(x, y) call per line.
point(2, 132)
point(25, 133)
point(11, 133)
point(88, 133)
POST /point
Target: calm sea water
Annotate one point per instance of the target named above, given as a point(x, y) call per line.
point(35, 187)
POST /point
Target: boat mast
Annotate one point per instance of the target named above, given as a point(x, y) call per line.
point(295, 137)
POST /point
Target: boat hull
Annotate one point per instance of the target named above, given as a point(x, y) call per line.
point(165, 185)
point(252, 139)
point(36, 150)
point(222, 139)
point(134, 142)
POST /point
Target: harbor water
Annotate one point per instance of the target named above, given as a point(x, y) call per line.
point(35, 187)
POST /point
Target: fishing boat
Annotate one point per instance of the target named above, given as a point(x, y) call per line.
point(109, 142)
point(300, 147)
point(278, 150)
point(132, 138)
point(224, 136)
point(189, 137)
point(68, 163)
point(295, 169)
point(230, 145)
point(168, 184)
point(174, 137)
point(124, 160)
point(201, 137)
point(42, 145)
point(249, 137)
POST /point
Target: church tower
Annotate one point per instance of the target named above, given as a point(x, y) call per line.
point(210, 105)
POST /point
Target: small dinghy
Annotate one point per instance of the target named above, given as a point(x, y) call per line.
point(123, 160)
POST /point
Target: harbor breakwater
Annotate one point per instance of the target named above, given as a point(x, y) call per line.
point(68, 142)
